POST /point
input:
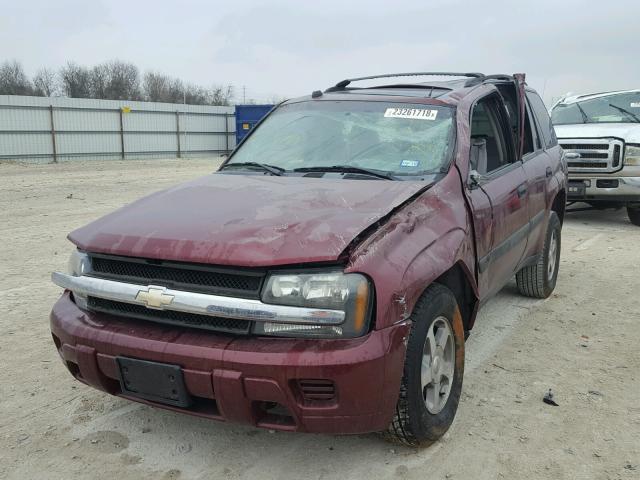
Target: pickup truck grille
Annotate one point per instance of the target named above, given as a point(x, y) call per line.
point(596, 156)
point(205, 322)
point(179, 276)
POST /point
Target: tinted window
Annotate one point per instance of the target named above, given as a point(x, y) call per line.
point(546, 127)
point(537, 144)
point(529, 134)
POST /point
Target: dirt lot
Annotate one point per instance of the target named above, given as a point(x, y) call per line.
point(582, 343)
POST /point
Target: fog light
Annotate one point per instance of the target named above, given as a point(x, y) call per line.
point(285, 329)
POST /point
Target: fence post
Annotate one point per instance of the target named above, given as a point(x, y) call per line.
point(53, 135)
point(178, 133)
point(121, 134)
point(226, 132)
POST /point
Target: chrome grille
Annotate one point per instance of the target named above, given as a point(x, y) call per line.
point(601, 155)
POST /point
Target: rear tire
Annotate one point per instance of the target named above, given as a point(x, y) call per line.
point(539, 280)
point(634, 215)
point(433, 370)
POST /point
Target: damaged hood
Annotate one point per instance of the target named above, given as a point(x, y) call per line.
point(247, 220)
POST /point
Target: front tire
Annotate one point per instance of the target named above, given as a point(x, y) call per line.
point(634, 215)
point(539, 280)
point(433, 370)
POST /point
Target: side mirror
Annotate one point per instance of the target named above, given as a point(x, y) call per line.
point(474, 179)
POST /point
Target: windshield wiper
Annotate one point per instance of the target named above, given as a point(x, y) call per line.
point(626, 112)
point(585, 118)
point(272, 169)
point(348, 169)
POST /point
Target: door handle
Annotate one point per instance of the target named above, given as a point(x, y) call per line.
point(549, 172)
point(522, 190)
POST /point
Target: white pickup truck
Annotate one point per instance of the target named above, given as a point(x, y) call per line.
point(600, 134)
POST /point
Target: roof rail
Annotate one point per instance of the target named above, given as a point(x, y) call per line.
point(342, 84)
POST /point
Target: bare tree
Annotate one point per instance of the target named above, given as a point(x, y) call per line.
point(156, 87)
point(177, 91)
point(100, 81)
point(45, 83)
point(220, 95)
point(115, 80)
point(162, 88)
point(124, 81)
point(76, 81)
point(13, 80)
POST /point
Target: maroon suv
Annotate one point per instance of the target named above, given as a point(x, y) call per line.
point(326, 277)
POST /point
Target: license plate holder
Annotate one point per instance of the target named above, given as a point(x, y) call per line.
point(153, 381)
point(577, 189)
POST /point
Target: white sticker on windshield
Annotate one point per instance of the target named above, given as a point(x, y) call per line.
point(412, 113)
point(635, 104)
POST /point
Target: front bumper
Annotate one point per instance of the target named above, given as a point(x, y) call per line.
point(239, 379)
point(604, 187)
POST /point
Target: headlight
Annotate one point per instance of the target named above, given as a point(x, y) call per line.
point(79, 264)
point(632, 155)
point(349, 293)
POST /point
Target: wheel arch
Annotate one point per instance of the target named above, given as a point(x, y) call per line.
point(445, 262)
point(458, 280)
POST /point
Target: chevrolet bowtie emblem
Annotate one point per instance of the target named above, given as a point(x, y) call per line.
point(154, 297)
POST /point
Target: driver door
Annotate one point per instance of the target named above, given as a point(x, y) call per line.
point(498, 191)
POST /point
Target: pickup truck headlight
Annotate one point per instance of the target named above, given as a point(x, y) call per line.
point(349, 292)
point(79, 264)
point(632, 155)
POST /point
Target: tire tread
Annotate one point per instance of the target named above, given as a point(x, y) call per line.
point(634, 215)
point(399, 430)
point(531, 280)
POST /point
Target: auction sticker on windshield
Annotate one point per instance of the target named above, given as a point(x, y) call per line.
point(412, 113)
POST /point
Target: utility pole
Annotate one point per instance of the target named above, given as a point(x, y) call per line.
point(244, 94)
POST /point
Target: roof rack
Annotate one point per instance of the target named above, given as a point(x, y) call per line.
point(344, 83)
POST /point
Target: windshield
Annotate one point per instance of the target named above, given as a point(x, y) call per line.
point(401, 139)
point(615, 108)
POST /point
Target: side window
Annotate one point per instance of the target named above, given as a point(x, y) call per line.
point(487, 131)
point(546, 127)
point(530, 125)
point(528, 146)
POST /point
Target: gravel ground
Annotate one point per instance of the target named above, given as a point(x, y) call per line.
point(581, 342)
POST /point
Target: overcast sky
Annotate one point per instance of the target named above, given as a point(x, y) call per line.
point(288, 48)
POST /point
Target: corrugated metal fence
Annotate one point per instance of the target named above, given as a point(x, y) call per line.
point(58, 129)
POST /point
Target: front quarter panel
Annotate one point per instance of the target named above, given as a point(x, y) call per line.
point(418, 244)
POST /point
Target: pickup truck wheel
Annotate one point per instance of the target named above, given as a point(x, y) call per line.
point(433, 370)
point(539, 280)
point(634, 215)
